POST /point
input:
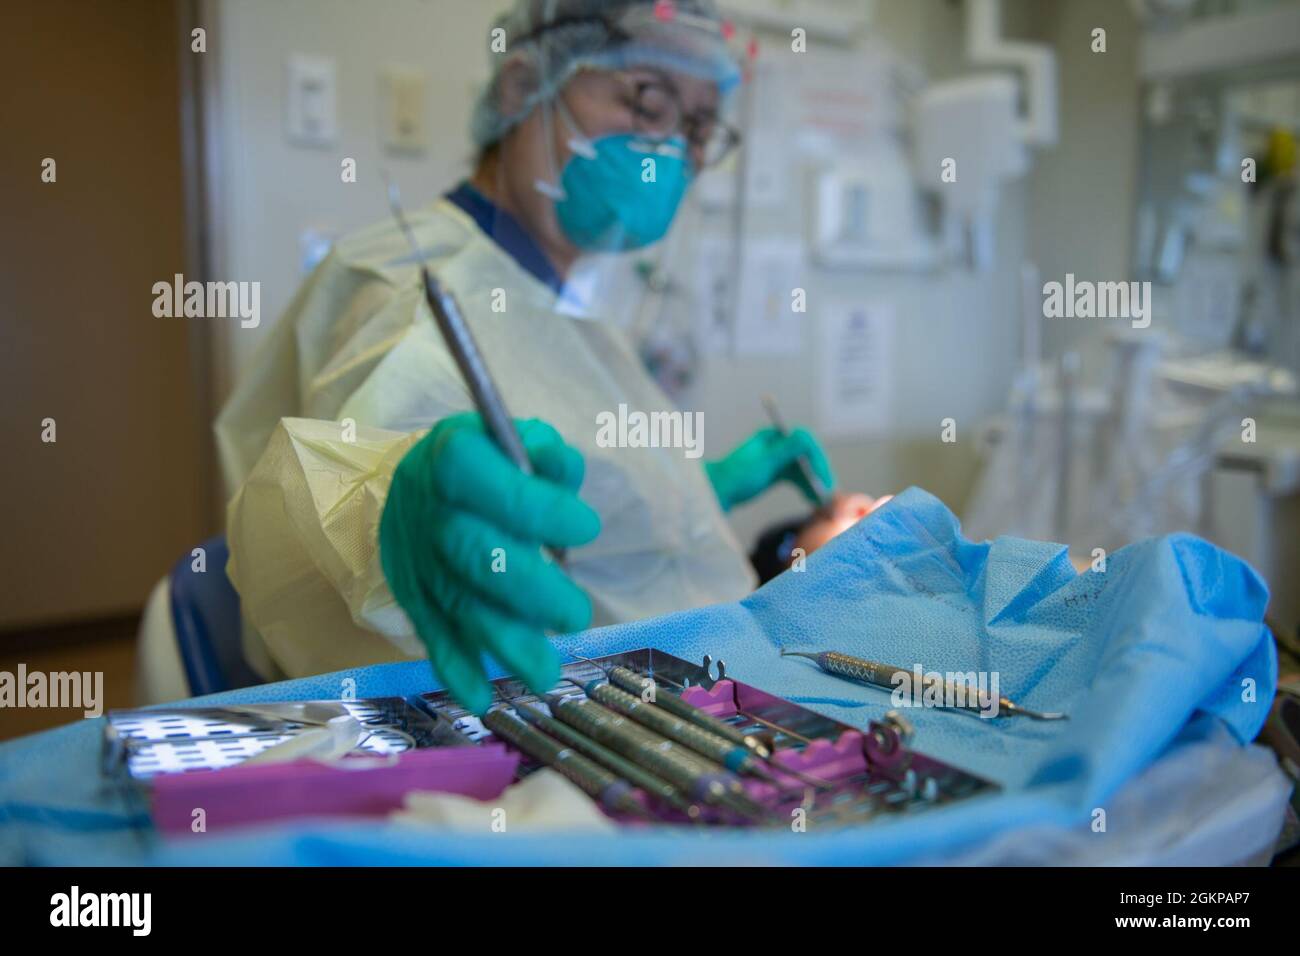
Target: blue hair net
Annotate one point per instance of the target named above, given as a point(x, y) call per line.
point(553, 39)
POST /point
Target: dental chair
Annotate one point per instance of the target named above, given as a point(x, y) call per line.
point(190, 634)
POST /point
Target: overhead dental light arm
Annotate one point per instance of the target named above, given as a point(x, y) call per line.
point(987, 47)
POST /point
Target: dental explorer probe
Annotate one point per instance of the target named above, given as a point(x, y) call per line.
point(888, 677)
point(820, 491)
point(464, 349)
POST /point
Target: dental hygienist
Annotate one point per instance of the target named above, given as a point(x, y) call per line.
point(374, 519)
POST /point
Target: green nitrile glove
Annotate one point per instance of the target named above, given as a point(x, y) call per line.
point(455, 500)
point(762, 460)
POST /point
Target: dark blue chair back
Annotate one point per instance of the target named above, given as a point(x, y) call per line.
point(205, 613)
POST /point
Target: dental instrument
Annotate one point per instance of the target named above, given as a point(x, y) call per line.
point(635, 683)
point(702, 779)
point(469, 359)
point(736, 758)
point(627, 769)
point(890, 677)
point(597, 782)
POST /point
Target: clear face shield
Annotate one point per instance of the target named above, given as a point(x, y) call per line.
point(616, 146)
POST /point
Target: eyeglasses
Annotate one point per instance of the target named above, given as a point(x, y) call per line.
point(658, 112)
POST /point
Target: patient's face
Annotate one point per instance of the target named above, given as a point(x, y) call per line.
point(845, 511)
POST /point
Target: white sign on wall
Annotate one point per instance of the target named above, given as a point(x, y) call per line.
point(855, 385)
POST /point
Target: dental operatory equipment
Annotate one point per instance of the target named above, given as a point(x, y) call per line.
point(951, 694)
point(823, 494)
point(171, 760)
point(469, 358)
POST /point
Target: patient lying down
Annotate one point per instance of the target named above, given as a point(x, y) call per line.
point(781, 545)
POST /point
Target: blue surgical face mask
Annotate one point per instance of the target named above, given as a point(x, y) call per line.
point(621, 192)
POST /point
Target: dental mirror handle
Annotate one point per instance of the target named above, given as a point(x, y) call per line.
point(482, 387)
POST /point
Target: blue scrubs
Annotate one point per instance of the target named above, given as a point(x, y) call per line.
point(506, 231)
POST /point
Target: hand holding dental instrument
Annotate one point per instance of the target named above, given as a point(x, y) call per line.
point(464, 349)
point(822, 493)
point(890, 677)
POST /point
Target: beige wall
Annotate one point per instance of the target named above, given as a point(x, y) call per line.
point(268, 190)
point(1081, 194)
point(94, 519)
